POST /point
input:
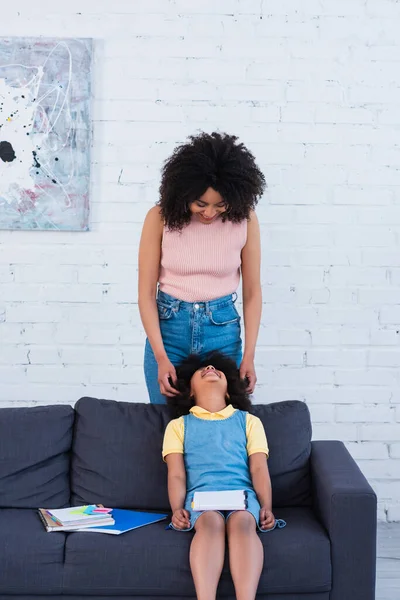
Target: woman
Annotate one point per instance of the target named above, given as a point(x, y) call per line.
point(195, 244)
point(217, 446)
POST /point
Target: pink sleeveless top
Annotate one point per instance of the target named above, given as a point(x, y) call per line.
point(202, 262)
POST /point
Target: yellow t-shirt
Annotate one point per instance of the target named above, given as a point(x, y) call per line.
point(255, 434)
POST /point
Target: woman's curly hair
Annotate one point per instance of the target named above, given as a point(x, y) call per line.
point(213, 160)
point(182, 403)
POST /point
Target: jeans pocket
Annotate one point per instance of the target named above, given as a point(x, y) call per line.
point(225, 315)
point(164, 312)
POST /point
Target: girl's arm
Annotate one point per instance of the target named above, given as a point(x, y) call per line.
point(177, 490)
point(252, 298)
point(149, 268)
point(262, 486)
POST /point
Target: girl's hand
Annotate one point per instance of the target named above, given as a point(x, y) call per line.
point(267, 519)
point(247, 371)
point(181, 519)
point(166, 375)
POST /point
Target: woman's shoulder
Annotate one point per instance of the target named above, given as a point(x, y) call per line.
point(154, 215)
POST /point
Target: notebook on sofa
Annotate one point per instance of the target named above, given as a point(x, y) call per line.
point(226, 500)
point(75, 517)
point(127, 520)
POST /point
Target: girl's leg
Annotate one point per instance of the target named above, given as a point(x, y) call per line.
point(246, 554)
point(207, 554)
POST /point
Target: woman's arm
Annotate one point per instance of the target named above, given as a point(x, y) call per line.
point(252, 298)
point(177, 490)
point(262, 486)
point(149, 268)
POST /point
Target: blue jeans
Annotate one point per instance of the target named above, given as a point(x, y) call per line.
point(193, 328)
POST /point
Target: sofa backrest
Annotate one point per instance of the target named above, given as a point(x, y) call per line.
point(35, 445)
point(116, 457)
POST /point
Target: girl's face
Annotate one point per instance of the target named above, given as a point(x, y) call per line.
point(208, 378)
point(209, 206)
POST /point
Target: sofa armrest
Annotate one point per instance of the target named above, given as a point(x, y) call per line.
point(346, 505)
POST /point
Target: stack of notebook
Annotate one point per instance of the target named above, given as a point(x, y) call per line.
point(96, 519)
point(76, 517)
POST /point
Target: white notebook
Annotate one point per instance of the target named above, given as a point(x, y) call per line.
point(227, 500)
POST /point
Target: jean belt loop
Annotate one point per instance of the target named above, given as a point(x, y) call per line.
point(207, 307)
point(234, 297)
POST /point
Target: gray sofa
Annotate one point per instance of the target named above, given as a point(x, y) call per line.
point(109, 452)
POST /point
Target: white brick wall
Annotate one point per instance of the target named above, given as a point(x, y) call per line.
point(313, 88)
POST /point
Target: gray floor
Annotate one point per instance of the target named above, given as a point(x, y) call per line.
point(388, 562)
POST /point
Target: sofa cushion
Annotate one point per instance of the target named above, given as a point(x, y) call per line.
point(35, 446)
point(117, 453)
point(155, 562)
point(288, 428)
point(116, 457)
point(31, 560)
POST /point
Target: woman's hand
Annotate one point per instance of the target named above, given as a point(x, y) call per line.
point(267, 519)
point(248, 372)
point(181, 519)
point(166, 372)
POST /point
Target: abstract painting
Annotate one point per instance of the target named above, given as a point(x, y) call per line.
point(45, 133)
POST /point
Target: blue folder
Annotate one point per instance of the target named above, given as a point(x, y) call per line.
point(126, 520)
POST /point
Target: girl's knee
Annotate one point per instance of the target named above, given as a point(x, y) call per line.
point(210, 520)
point(241, 521)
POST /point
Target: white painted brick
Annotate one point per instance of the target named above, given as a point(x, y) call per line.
point(381, 433)
point(33, 274)
point(116, 375)
point(386, 489)
point(54, 375)
point(15, 355)
point(279, 356)
point(363, 196)
point(390, 315)
point(380, 469)
point(362, 94)
point(385, 337)
point(337, 154)
point(338, 114)
point(75, 355)
point(107, 274)
point(364, 413)
point(382, 8)
point(26, 312)
point(394, 450)
point(376, 257)
point(339, 358)
point(393, 512)
point(12, 374)
point(44, 355)
point(367, 377)
point(301, 91)
point(389, 116)
point(384, 358)
point(368, 450)
point(321, 413)
point(343, 8)
point(335, 431)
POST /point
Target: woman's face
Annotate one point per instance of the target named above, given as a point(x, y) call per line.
point(209, 206)
point(208, 378)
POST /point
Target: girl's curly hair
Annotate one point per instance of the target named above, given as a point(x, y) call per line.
point(182, 403)
point(213, 160)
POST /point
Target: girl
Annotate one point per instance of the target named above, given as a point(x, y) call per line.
point(195, 244)
point(217, 445)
